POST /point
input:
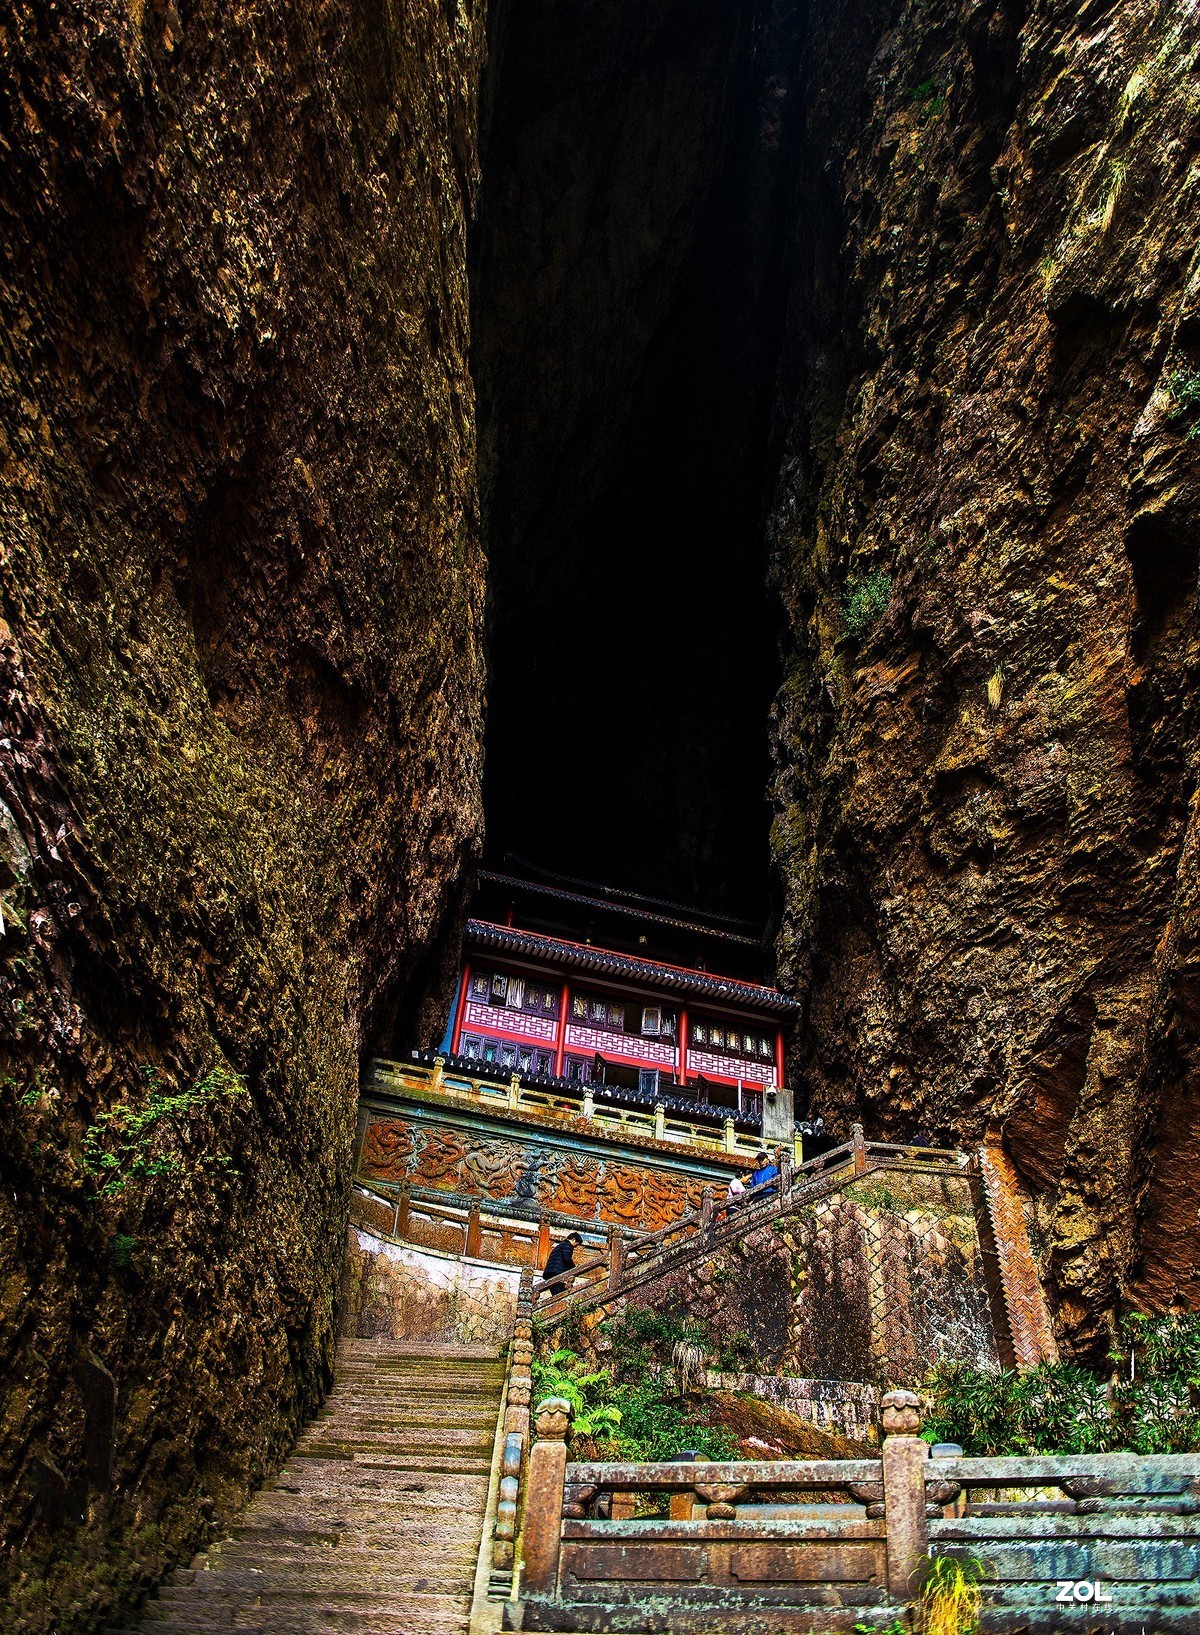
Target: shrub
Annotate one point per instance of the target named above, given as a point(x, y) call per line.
point(643, 1341)
point(636, 1420)
point(654, 1428)
point(564, 1374)
point(1152, 1405)
point(1156, 1397)
point(865, 604)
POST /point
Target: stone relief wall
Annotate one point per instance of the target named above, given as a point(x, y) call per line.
point(875, 1283)
point(395, 1293)
point(525, 1174)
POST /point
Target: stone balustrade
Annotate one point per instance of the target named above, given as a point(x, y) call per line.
point(798, 1544)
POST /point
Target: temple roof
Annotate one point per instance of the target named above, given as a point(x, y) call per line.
point(604, 962)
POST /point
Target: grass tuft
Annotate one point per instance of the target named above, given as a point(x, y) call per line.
point(949, 1603)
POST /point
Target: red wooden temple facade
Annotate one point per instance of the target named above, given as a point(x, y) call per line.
point(618, 1022)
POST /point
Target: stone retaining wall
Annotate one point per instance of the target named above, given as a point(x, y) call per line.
point(874, 1283)
point(845, 1406)
point(398, 1293)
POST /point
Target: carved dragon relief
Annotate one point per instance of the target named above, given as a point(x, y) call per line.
point(493, 1168)
point(387, 1149)
point(448, 1159)
point(441, 1161)
point(571, 1187)
point(621, 1195)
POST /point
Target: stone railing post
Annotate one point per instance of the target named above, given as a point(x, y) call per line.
point(516, 1430)
point(730, 1137)
point(616, 1256)
point(439, 1072)
point(589, 1103)
point(904, 1458)
point(860, 1148)
point(660, 1121)
point(474, 1233)
point(544, 1497)
point(514, 1090)
point(706, 1209)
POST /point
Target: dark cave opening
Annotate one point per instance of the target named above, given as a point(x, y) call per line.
point(626, 325)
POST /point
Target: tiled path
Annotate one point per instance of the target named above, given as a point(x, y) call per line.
point(373, 1525)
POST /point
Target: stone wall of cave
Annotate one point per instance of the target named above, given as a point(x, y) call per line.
point(984, 532)
point(241, 603)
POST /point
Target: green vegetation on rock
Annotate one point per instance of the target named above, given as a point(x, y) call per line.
point(127, 1143)
point(1184, 387)
point(1149, 1404)
point(623, 1418)
point(866, 603)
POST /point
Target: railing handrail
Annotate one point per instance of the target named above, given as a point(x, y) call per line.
point(806, 1181)
point(1047, 1469)
point(455, 1212)
point(677, 1475)
point(475, 1075)
point(914, 1150)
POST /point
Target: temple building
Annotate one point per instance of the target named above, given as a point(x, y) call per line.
point(627, 1027)
point(606, 1059)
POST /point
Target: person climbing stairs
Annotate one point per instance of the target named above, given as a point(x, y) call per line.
point(372, 1527)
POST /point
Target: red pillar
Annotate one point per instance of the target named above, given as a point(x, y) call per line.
point(683, 1044)
point(462, 1005)
point(560, 1050)
point(779, 1058)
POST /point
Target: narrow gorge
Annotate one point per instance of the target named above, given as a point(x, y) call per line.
point(750, 449)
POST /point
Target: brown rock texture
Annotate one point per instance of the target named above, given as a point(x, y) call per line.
point(985, 535)
point(241, 587)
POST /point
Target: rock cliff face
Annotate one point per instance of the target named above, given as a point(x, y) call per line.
point(241, 600)
point(241, 589)
point(986, 537)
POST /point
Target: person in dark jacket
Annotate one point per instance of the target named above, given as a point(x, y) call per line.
point(561, 1259)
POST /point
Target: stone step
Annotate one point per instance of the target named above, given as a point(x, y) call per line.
point(365, 1566)
point(358, 1471)
point(372, 1526)
point(308, 1528)
point(403, 1620)
point(268, 1588)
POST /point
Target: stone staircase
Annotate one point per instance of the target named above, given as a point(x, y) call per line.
point(698, 1235)
point(373, 1525)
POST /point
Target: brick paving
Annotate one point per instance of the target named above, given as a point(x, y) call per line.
point(373, 1525)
